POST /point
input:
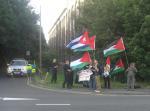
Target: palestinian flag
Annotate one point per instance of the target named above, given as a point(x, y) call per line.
point(74, 42)
point(79, 42)
point(88, 47)
point(118, 47)
point(80, 63)
point(119, 67)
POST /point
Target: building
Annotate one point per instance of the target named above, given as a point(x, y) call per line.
point(63, 30)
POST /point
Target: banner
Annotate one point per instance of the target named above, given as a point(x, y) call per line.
point(84, 75)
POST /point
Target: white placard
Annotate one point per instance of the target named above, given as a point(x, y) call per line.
point(84, 75)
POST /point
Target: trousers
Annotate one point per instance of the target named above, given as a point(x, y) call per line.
point(98, 83)
point(130, 81)
point(54, 77)
point(107, 82)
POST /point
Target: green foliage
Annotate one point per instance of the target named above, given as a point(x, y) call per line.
point(48, 57)
point(110, 19)
point(19, 30)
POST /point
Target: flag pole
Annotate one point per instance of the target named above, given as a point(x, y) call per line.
point(126, 58)
point(125, 52)
point(40, 44)
point(94, 49)
point(94, 54)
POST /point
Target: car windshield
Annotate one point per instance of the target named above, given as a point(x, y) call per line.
point(18, 63)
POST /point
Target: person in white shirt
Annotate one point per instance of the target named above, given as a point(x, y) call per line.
point(106, 75)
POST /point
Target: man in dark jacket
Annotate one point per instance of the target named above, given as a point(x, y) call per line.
point(67, 75)
point(54, 71)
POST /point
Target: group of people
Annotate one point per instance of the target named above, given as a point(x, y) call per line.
point(68, 74)
point(97, 70)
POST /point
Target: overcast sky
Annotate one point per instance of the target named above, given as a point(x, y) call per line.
point(50, 11)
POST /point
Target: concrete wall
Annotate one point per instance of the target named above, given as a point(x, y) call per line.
point(63, 31)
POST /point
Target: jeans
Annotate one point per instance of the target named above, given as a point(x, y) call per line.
point(92, 83)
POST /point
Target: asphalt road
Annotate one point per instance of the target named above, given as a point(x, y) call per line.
point(15, 95)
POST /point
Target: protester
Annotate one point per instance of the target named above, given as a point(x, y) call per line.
point(76, 76)
point(92, 82)
point(71, 78)
point(67, 75)
point(131, 71)
point(106, 76)
point(54, 71)
point(101, 69)
point(95, 70)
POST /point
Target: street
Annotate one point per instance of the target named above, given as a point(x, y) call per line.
point(15, 95)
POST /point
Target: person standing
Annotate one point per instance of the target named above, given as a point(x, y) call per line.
point(101, 69)
point(72, 78)
point(107, 76)
point(65, 68)
point(131, 71)
point(29, 71)
point(92, 82)
point(33, 68)
point(67, 75)
point(54, 71)
point(95, 70)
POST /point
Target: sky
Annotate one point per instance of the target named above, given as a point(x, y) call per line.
point(50, 11)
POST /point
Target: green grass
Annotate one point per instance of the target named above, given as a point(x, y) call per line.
point(118, 85)
point(144, 84)
point(46, 81)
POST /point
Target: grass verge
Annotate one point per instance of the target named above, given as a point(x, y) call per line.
point(45, 80)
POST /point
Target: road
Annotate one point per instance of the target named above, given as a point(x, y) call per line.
point(16, 95)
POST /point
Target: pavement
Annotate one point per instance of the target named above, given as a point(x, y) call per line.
point(16, 95)
point(122, 91)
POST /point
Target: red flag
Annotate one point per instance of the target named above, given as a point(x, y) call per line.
point(85, 38)
point(119, 67)
point(120, 63)
point(120, 45)
point(86, 57)
point(92, 42)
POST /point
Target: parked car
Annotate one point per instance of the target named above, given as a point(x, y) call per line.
point(17, 67)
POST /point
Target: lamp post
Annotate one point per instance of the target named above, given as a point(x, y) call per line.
point(40, 44)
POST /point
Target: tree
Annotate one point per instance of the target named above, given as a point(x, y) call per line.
point(19, 30)
point(111, 19)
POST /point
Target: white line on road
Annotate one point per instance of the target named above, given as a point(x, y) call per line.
point(53, 104)
point(121, 95)
point(17, 99)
